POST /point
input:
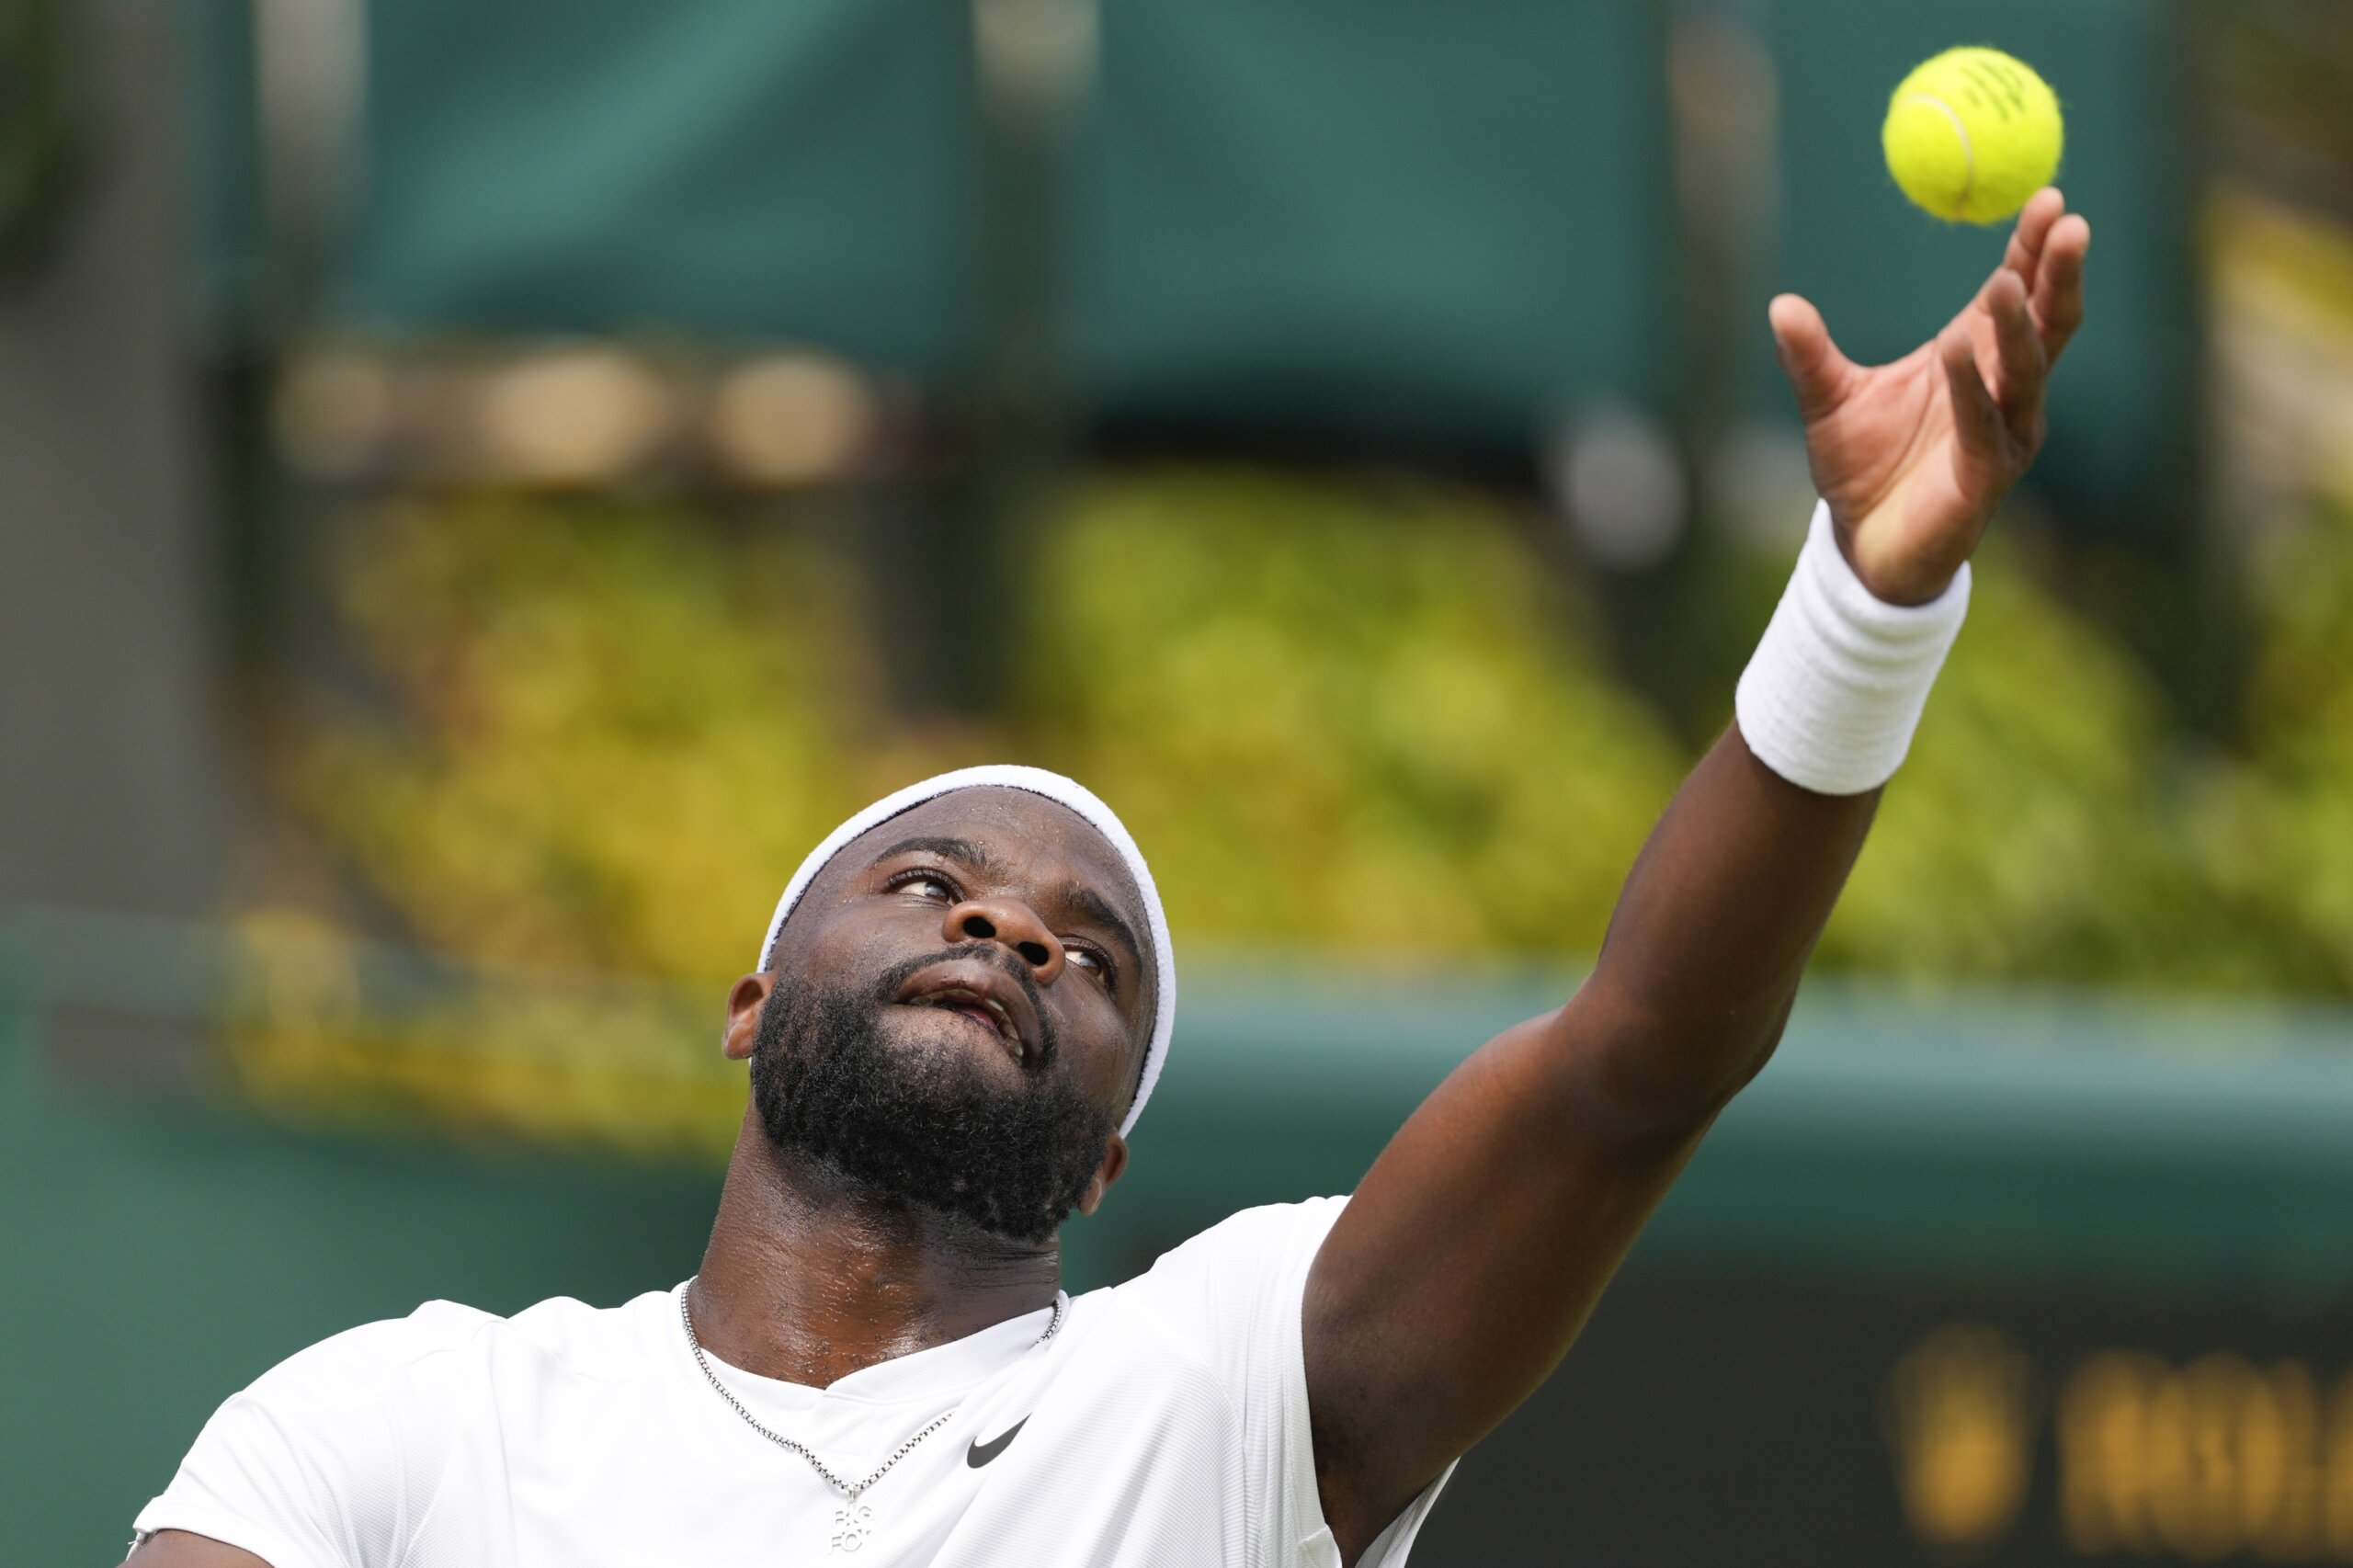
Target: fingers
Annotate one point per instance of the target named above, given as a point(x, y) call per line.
point(2046, 251)
point(2058, 290)
point(1819, 374)
point(2043, 209)
point(1986, 441)
point(2021, 366)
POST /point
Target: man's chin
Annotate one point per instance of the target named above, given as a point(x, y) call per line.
point(928, 1110)
point(943, 1035)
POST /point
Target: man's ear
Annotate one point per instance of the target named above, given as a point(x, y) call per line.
point(743, 1004)
point(1114, 1160)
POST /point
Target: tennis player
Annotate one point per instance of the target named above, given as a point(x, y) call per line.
point(959, 1010)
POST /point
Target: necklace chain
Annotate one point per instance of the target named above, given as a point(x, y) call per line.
point(848, 1490)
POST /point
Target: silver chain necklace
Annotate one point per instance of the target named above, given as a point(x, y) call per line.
point(854, 1523)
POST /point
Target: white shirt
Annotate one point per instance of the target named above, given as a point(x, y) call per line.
point(1165, 1422)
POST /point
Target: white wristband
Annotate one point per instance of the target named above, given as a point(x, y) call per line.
point(1835, 690)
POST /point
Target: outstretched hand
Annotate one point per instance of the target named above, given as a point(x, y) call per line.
point(1913, 455)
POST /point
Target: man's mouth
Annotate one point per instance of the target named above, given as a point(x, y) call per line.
point(984, 1010)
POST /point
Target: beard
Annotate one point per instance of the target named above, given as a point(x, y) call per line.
point(923, 1125)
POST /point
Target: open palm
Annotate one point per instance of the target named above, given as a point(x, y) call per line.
point(1913, 455)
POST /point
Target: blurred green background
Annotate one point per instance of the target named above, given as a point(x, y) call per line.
point(483, 487)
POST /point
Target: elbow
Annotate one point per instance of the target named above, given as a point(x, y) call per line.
point(1671, 1071)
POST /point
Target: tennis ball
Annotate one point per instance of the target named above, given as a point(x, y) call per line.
point(1971, 133)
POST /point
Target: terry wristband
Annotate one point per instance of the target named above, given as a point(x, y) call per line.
point(1836, 688)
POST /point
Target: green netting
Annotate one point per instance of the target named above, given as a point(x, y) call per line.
point(1371, 219)
point(729, 168)
point(1374, 215)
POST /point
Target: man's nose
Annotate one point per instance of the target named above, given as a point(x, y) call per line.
point(1013, 923)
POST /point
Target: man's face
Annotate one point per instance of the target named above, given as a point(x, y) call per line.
point(959, 1012)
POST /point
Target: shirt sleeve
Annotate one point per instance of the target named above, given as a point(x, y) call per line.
point(330, 1458)
point(1234, 1294)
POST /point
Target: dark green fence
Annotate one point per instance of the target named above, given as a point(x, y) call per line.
point(1371, 216)
point(1318, 217)
point(731, 167)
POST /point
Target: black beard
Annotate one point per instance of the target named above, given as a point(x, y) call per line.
point(929, 1128)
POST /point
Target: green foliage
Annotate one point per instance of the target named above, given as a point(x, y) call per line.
point(611, 733)
point(1342, 715)
point(1335, 716)
point(2281, 836)
point(1339, 715)
point(2042, 828)
point(315, 1026)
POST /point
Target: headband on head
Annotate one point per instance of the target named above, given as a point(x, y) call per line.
point(1053, 786)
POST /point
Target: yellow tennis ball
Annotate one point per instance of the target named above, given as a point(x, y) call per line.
point(1971, 133)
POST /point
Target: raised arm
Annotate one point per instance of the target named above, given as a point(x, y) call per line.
point(1478, 1243)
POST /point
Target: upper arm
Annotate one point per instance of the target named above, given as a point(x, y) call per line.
point(1467, 1261)
point(179, 1549)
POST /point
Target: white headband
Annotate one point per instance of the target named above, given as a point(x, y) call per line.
point(1053, 786)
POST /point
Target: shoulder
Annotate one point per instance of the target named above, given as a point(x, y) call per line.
point(441, 1340)
point(1266, 1238)
point(339, 1453)
point(603, 1344)
point(1239, 1276)
point(364, 1359)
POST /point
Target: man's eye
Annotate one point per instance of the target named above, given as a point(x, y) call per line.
point(927, 886)
point(1089, 960)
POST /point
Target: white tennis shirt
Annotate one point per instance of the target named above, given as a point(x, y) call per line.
point(1165, 1423)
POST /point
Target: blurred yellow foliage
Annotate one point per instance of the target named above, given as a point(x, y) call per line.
point(2039, 829)
point(1349, 716)
point(1335, 716)
point(611, 733)
point(2281, 837)
point(316, 1023)
point(1342, 716)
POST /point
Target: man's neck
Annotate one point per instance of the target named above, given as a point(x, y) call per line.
point(809, 1277)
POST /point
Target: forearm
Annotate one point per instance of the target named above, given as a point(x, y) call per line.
point(1717, 918)
point(1725, 902)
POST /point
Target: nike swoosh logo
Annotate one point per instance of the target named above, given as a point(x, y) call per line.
point(980, 1453)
